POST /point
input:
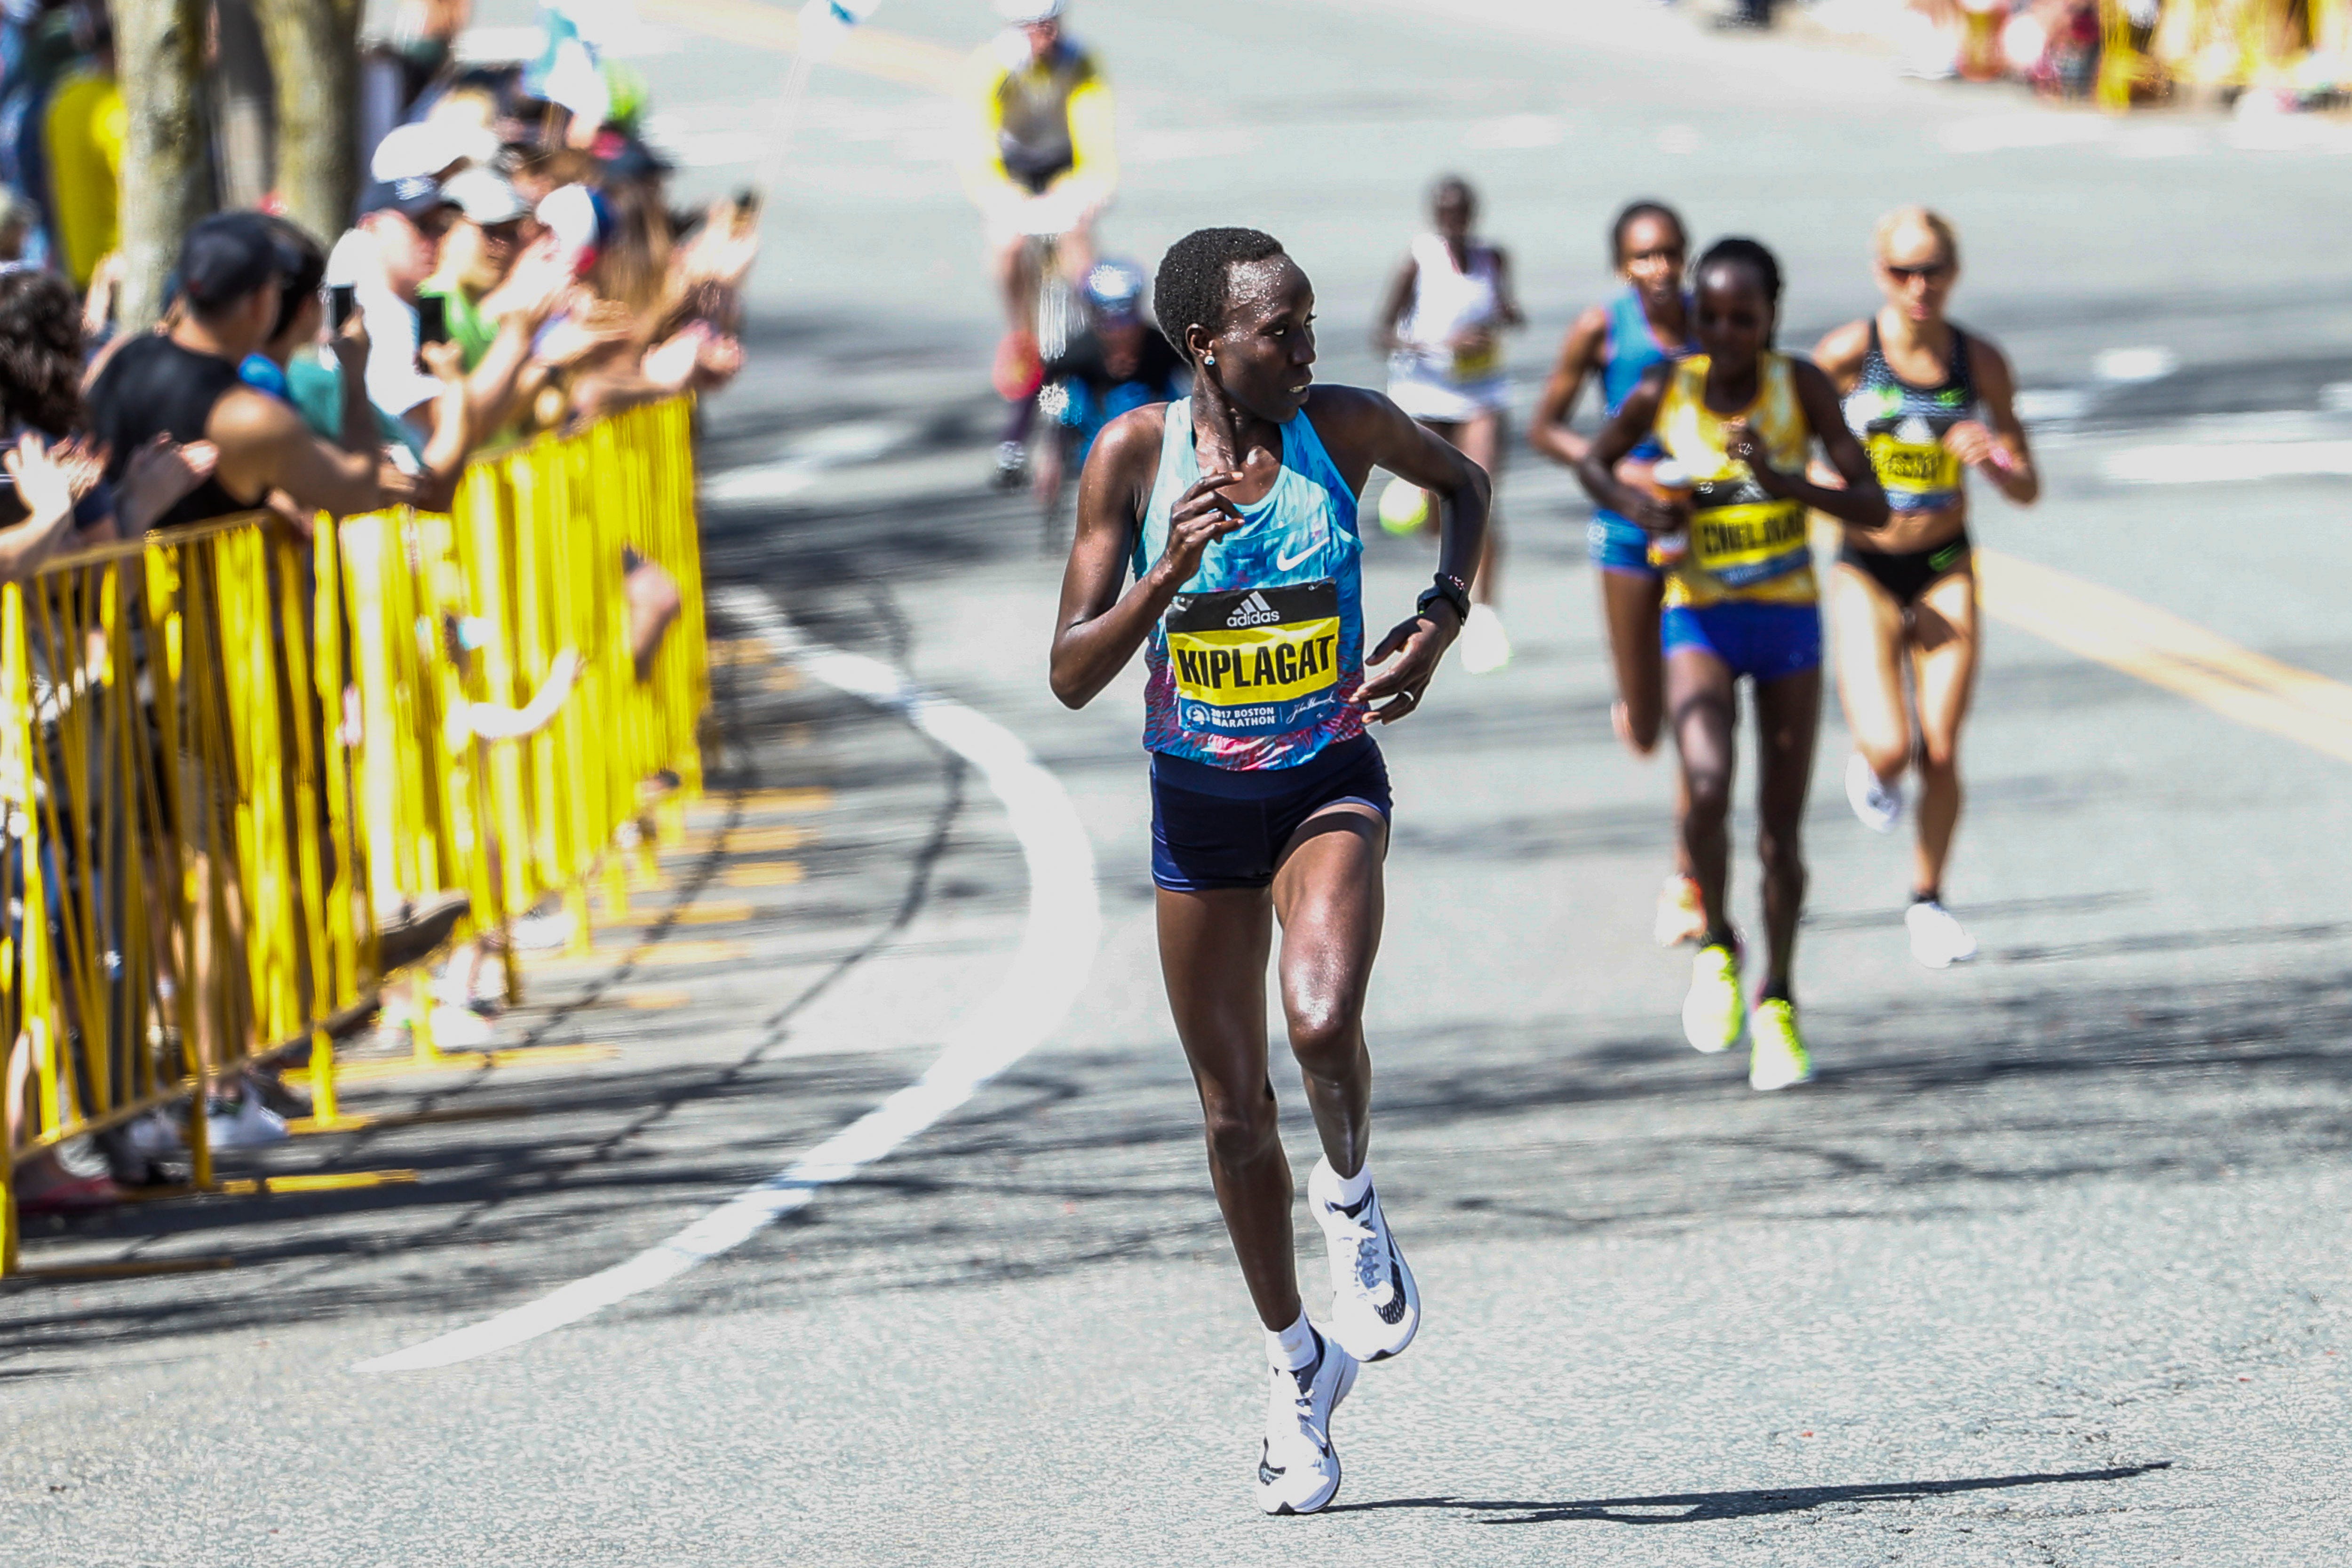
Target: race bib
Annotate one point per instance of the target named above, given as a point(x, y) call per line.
point(1747, 542)
point(1477, 364)
point(1254, 661)
point(1914, 464)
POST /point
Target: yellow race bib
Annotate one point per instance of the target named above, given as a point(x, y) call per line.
point(1912, 465)
point(1254, 661)
point(1748, 542)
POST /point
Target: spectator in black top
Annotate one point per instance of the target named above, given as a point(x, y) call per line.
point(184, 384)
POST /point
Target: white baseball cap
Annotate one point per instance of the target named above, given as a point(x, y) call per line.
point(485, 198)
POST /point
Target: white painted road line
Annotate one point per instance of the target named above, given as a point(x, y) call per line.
point(1040, 986)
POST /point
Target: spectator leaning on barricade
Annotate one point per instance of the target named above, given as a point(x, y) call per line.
point(184, 384)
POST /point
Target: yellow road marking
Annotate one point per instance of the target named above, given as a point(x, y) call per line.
point(331, 1181)
point(745, 840)
point(2162, 650)
point(870, 51)
point(692, 915)
point(645, 954)
point(654, 1001)
point(762, 874)
point(808, 798)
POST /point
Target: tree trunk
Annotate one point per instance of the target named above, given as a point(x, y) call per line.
point(314, 56)
point(166, 184)
point(243, 101)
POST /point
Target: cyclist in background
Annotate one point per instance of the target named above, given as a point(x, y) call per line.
point(1119, 362)
point(1042, 165)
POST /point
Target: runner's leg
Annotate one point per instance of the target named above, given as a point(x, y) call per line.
point(1868, 627)
point(1213, 950)
point(1480, 437)
point(1706, 708)
point(1329, 897)
point(1943, 669)
point(1788, 721)
point(1629, 601)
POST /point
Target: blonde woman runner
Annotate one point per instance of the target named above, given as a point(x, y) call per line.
point(1928, 402)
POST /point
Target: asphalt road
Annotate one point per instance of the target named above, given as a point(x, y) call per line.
point(2047, 1267)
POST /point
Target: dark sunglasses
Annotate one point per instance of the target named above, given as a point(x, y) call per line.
point(1928, 274)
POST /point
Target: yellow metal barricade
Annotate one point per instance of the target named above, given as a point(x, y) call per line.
point(223, 747)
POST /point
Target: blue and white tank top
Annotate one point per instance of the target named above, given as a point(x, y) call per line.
point(1633, 348)
point(1252, 665)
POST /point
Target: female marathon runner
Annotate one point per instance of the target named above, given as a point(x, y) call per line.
point(1235, 510)
point(1740, 601)
point(1928, 402)
point(1649, 321)
point(1441, 330)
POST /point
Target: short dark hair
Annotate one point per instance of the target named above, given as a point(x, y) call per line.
point(1740, 251)
point(1633, 213)
point(40, 351)
point(1194, 285)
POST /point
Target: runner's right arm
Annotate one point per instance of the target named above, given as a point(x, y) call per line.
point(1579, 357)
point(1099, 628)
point(1384, 331)
point(1596, 462)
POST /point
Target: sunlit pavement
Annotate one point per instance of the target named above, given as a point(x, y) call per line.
point(2046, 1266)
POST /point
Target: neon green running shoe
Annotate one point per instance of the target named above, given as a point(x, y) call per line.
point(1712, 1011)
point(1775, 1057)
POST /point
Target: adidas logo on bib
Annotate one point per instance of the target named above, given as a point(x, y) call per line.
point(1253, 611)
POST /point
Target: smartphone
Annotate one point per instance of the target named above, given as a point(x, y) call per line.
point(342, 303)
point(432, 319)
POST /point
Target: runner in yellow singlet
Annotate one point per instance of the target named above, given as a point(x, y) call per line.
point(1740, 421)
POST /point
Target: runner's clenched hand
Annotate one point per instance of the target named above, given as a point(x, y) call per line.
point(1972, 443)
point(1423, 640)
point(1200, 517)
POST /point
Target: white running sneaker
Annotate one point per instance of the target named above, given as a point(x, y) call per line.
point(1879, 808)
point(1937, 940)
point(1297, 1469)
point(1713, 1013)
point(1486, 648)
point(1681, 916)
point(1375, 1306)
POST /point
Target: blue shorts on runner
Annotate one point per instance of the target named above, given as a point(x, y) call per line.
point(1760, 640)
point(1619, 545)
point(1224, 828)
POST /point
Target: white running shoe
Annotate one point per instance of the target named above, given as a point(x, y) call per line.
point(1713, 1013)
point(249, 1125)
point(1681, 916)
point(1375, 1305)
point(1297, 1467)
point(1937, 940)
point(1486, 648)
point(1879, 808)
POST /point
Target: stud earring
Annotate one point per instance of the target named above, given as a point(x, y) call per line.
point(1208, 359)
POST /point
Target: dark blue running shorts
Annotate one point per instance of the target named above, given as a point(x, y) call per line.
point(1225, 828)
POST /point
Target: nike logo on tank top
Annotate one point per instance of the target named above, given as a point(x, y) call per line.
point(1252, 665)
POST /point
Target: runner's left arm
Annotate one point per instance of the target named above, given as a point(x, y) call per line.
point(2000, 452)
point(1506, 301)
point(1373, 432)
point(1862, 503)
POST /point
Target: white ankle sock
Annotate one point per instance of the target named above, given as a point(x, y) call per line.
point(1292, 1348)
point(1351, 1190)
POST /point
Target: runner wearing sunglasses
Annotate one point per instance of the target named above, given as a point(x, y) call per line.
point(1928, 402)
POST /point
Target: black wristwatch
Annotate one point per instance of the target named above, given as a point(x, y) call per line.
point(1451, 589)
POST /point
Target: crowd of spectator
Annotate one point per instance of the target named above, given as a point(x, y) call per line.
point(514, 266)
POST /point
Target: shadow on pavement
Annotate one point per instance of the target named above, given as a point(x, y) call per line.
point(1693, 1508)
